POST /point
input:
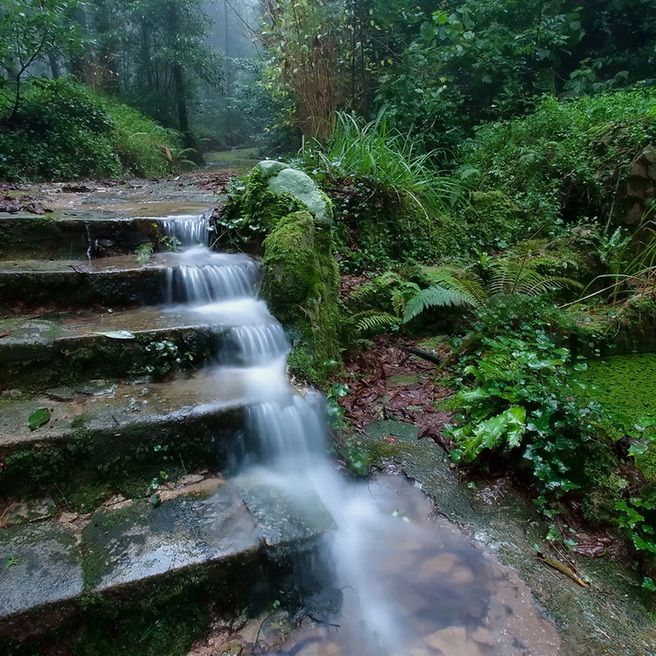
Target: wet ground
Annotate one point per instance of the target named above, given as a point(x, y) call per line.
point(443, 595)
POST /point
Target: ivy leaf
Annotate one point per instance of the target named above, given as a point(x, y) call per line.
point(38, 418)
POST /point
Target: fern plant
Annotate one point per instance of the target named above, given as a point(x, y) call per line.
point(452, 287)
point(384, 301)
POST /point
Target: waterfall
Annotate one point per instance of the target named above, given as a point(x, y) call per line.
point(287, 432)
point(287, 448)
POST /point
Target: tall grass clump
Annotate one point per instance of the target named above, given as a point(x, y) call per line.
point(65, 131)
point(373, 151)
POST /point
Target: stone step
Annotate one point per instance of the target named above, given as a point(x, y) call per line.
point(40, 353)
point(70, 237)
point(54, 569)
point(113, 282)
point(109, 429)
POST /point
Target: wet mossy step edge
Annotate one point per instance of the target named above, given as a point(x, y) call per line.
point(100, 435)
point(37, 353)
point(112, 282)
point(67, 236)
point(49, 571)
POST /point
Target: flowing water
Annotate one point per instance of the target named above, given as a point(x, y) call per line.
point(410, 585)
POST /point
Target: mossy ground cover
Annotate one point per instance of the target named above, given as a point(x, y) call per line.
point(277, 212)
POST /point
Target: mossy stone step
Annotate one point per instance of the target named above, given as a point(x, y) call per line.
point(110, 427)
point(70, 236)
point(39, 353)
point(113, 282)
point(48, 572)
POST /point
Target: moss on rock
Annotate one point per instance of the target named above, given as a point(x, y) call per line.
point(279, 212)
point(300, 281)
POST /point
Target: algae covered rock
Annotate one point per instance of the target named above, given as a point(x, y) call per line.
point(279, 213)
point(271, 191)
point(291, 266)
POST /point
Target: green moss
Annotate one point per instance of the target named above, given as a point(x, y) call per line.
point(251, 211)
point(291, 266)
point(36, 466)
point(300, 282)
point(626, 382)
point(300, 278)
point(93, 465)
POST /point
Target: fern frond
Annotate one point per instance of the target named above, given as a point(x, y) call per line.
point(371, 320)
point(461, 281)
point(364, 292)
point(435, 296)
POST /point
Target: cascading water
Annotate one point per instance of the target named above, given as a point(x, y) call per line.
point(389, 606)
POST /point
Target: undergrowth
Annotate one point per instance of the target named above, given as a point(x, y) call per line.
point(65, 131)
point(565, 162)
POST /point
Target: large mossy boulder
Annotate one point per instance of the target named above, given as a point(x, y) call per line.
point(279, 214)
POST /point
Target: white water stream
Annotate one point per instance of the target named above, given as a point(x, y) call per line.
point(403, 583)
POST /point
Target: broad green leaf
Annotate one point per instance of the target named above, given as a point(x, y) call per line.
point(38, 418)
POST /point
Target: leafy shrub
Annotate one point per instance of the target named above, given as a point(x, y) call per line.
point(522, 400)
point(66, 131)
point(565, 161)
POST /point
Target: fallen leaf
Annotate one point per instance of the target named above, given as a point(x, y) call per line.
point(116, 334)
point(38, 418)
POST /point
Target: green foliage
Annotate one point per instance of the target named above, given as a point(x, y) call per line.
point(506, 277)
point(306, 43)
point(390, 204)
point(144, 148)
point(565, 161)
point(38, 418)
point(372, 151)
point(473, 61)
point(31, 31)
point(144, 252)
point(436, 296)
point(520, 401)
point(165, 358)
point(492, 219)
point(65, 131)
point(380, 303)
point(250, 211)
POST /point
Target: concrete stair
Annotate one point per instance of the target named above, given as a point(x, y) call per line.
point(38, 353)
point(51, 568)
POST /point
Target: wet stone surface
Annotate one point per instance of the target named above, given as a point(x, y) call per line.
point(39, 565)
point(280, 517)
point(111, 411)
point(142, 541)
point(607, 618)
point(445, 596)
